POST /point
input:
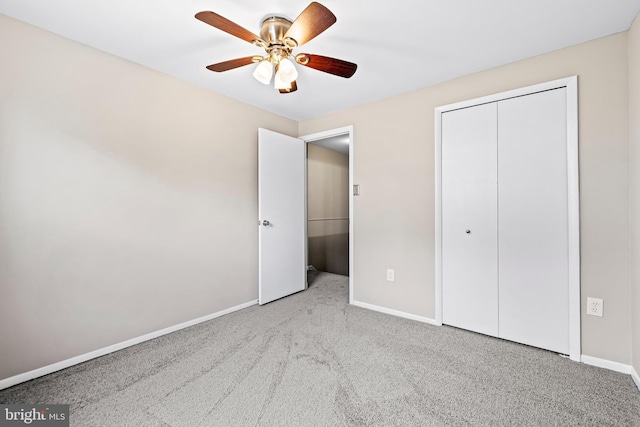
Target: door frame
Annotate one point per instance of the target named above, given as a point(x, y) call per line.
point(328, 134)
point(573, 196)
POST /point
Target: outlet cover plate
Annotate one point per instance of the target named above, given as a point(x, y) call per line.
point(594, 306)
point(391, 275)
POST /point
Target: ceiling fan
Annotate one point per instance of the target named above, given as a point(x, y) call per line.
point(279, 37)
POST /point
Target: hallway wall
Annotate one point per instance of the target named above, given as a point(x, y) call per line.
point(328, 205)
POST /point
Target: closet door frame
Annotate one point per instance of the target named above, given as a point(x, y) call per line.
point(573, 195)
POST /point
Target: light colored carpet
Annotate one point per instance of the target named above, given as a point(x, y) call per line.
point(313, 360)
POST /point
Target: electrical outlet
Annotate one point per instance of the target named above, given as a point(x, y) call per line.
point(391, 275)
point(594, 306)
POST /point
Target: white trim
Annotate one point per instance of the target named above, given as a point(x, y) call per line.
point(571, 84)
point(573, 214)
point(396, 313)
point(606, 364)
point(612, 366)
point(636, 377)
point(528, 90)
point(438, 215)
point(328, 134)
point(306, 213)
point(45, 370)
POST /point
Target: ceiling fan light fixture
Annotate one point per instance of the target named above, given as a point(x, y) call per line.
point(278, 82)
point(286, 71)
point(279, 36)
point(263, 72)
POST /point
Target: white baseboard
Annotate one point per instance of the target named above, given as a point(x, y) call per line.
point(636, 377)
point(614, 366)
point(607, 364)
point(45, 370)
point(396, 313)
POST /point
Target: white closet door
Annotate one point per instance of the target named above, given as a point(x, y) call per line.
point(469, 212)
point(532, 212)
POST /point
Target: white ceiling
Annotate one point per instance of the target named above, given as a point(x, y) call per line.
point(399, 45)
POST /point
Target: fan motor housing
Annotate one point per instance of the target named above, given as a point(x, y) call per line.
point(273, 29)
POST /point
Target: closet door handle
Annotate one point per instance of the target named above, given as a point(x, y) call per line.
point(468, 231)
point(266, 223)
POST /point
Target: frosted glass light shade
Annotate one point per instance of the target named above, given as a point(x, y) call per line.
point(263, 72)
point(279, 83)
point(286, 71)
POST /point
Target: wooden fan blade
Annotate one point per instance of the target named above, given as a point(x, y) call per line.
point(222, 23)
point(334, 66)
point(312, 21)
point(231, 64)
point(292, 88)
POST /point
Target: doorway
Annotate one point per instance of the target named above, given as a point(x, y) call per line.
point(330, 202)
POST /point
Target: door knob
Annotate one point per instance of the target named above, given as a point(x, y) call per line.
point(468, 231)
point(266, 223)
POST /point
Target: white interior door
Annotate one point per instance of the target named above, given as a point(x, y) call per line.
point(533, 226)
point(281, 210)
point(469, 219)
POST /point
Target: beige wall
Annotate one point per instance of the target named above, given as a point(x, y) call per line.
point(634, 181)
point(124, 192)
point(128, 199)
point(394, 165)
point(328, 197)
